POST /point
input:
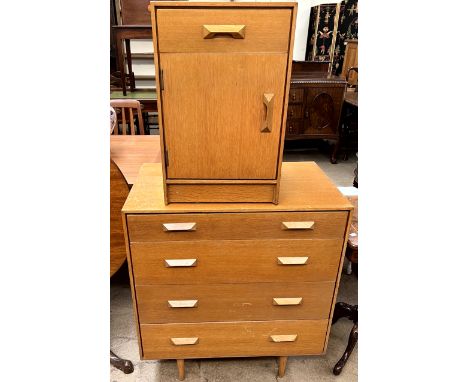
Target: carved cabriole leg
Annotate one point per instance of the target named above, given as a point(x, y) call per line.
point(282, 366)
point(353, 337)
point(334, 151)
point(181, 368)
point(122, 364)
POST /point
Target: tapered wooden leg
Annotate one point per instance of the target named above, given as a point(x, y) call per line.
point(181, 368)
point(282, 366)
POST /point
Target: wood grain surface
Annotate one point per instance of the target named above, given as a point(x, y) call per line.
point(233, 339)
point(181, 30)
point(235, 261)
point(237, 226)
point(233, 302)
point(304, 187)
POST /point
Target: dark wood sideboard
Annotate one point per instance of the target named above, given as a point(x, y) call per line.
point(315, 102)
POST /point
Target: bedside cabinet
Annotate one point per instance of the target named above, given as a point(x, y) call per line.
point(315, 102)
point(236, 280)
point(222, 73)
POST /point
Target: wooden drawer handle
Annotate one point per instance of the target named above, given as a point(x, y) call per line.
point(298, 225)
point(183, 303)
point(287, 301)
point(170, 263)
point(268, 101)
point(176, 227)
point(284, 338)
point(234, 31)
point(293, 260)
point(184, 341)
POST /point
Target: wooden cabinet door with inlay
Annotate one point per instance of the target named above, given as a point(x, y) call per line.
point(222, 114)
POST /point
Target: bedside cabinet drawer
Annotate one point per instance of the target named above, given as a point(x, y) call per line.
point(296, 95)
point(295, 111)
point(223, 30)
point(234, 302)
point(233, 339)
point(232, 226)
point(235, 261)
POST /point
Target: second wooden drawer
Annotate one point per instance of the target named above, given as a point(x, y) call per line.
point(233, 302)
point(235, 261)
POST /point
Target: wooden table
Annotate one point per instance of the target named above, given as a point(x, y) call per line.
point(129, 152)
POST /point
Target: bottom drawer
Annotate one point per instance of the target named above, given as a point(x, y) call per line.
point(233, 339)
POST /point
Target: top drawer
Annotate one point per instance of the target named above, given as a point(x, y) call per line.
point(237, 226)
point(223, 30)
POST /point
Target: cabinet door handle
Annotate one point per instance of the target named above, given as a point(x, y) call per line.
point(177, 227)
point(184, 341)
point(171, 263)
point(282, 301)
point(298, 225)
point(268, 101)
point(284, 338)
point(292, 260)
point(183, 303)
point(234, 31)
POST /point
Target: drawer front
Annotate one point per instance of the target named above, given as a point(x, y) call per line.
point(295, 111)
point(233, 339)
point(235, 261)
point(296, 95)
point(233, 302)
point(186, 227)
point(223, 30)
point(294, 127)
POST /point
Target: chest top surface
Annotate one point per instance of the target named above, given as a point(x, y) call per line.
point(304, 187)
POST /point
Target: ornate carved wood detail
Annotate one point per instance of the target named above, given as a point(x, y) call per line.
point(321, 112)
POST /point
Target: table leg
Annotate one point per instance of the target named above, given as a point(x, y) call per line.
point(334, 151)
point(129, 64)
point(122, 364)
point(120, 60)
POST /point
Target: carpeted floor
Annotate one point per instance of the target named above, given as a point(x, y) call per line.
point(317, 369)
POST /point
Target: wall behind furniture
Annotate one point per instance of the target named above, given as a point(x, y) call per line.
point(347, 29)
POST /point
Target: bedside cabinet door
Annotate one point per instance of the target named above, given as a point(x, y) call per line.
point(222, 114)
point(323, 107)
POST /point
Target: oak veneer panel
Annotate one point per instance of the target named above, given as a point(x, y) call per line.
point(181, 30)
point(235, 261)
point(213, 193)
point(237, 226)
point(234, 302)
point(214, 112)
point(233, 339)
point(304, 187)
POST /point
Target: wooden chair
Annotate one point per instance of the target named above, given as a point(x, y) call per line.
point(119, 190)
point(130, 108)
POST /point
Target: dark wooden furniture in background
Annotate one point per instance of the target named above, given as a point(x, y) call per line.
point(118, 194)
point(128, 108)
point(343, 309)
point(315, 102)
point(136, 24)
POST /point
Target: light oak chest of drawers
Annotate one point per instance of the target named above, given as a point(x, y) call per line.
point(222, 73)
point(236, 280)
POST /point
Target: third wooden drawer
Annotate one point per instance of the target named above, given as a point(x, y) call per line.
point(218, 226)
point(234, 302)
point(235, 261)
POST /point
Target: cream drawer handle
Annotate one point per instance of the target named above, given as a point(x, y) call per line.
point(234, 31)
point(287, 301)
point(180, 263)
point(183, 303)
point(176, 227)
point(284, 338)
point(184, 341)
point(298, 225)
point(293, 260)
